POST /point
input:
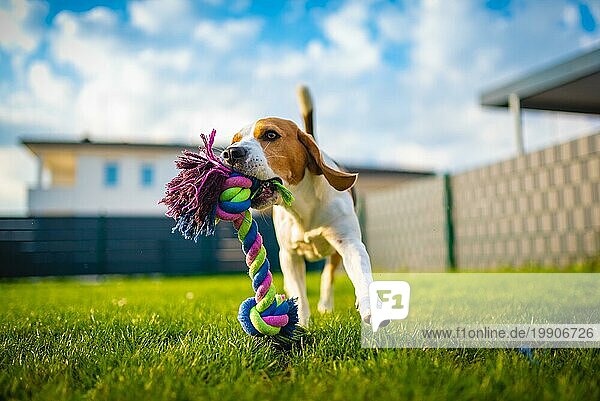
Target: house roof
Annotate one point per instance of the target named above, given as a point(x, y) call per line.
point(571, 85)
point(30, 142)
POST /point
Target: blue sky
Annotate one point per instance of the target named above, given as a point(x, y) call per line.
point(396, 83)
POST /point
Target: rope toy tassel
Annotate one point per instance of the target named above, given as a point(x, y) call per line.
point(206, 191)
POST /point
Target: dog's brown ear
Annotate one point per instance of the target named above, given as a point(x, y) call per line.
point(340, 180)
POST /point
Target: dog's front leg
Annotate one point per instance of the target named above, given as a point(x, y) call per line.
point(358, 266)
point(293, 268)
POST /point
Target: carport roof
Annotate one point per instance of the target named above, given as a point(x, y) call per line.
point(572, 85)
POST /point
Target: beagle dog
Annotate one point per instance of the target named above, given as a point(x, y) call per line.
point(320, 223)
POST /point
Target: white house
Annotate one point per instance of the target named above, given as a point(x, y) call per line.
point(100, 178)
point(127, 179)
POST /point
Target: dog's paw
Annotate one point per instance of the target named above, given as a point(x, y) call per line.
point(366, 318)
point(364, 309)
point(325, 307)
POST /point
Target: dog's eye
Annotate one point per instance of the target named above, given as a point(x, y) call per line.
point(271, 136)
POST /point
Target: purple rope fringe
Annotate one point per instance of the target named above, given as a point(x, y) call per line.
point(192, 196)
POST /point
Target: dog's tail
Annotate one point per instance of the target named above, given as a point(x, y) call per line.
point(308, 115)
point(306, 108)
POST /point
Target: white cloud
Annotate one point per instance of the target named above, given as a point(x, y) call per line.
point(415, 155)
point(159, 17)
point(14, 31)
point(346, 27)
point(570, 15)
point(138, 94)
point(348, 52)
point(46, 87)
point(179, 60)
point(224, 35)
point(45, 104)
point(72, 44)
point(395, 25)
point(101, 16)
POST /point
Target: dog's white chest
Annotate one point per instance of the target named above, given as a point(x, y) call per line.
point(312, 245)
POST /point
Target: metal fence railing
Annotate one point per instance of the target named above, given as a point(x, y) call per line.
point(118, 245)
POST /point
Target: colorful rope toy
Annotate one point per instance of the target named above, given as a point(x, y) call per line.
point(206, 191)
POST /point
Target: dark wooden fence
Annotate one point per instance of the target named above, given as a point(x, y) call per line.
point(119, 245)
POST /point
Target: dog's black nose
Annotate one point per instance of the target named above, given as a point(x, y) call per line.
point(233, 154)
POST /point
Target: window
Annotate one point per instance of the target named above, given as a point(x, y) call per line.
point(147, 175)
point(111, 174)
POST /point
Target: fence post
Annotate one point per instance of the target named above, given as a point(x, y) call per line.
point(451, 260)
point(362, 217)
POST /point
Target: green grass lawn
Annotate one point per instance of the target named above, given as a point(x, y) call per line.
point(178, 338)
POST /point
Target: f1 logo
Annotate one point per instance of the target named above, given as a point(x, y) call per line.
point(389, 301)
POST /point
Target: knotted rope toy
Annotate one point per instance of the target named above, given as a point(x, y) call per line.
point(206, 191)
